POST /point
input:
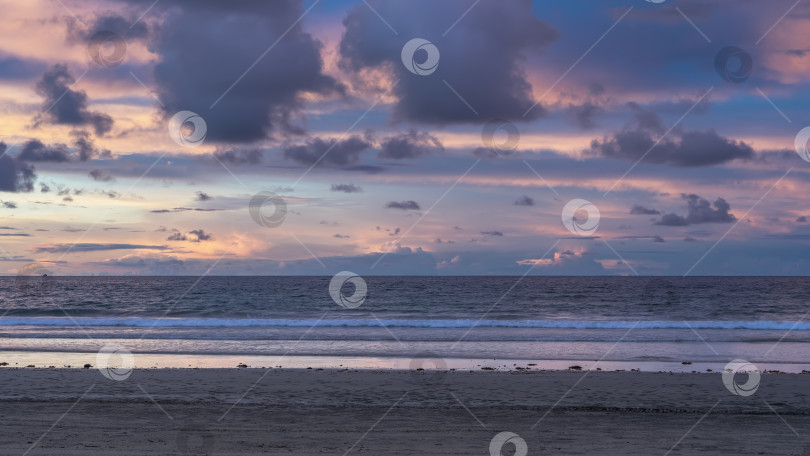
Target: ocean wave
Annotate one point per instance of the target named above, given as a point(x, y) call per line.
point(405, 323)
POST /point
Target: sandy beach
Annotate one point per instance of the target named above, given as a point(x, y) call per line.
point(313, 412)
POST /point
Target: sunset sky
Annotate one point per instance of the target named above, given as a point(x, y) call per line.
point(693, 167)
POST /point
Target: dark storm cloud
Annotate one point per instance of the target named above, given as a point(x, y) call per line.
point(86, 148)
point(481, 57)
point(699, 210)
point(801, 219)
point(206, 47)
point(15, 175)
point(35, 151)
point(492, 233)
point(92, 247)
point(645, 135)
point(100, 175)
point(202, 196)
point(524, 201)
point(346, 188)
point(65, 106)
point(240, 156)
point(413, 144)
point(331, 152)
point(641, 210)
point(404, 205)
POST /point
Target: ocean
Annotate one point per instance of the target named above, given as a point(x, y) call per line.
point(609, 323)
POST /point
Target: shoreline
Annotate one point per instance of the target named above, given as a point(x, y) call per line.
point(300, 411)
point(68, 359)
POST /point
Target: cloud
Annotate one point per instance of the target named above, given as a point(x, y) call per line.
point(183, 209)
point(413, 144)
point(699, 211)
point(93, 247)
point(641, 210)
point(9, 205)
point(15, 175)
point(205, 48)
point(200, 235)
point(404, 205)
point(240, 156)
point(658, 239)
point(331, 152)
point(646, 135)
point(346, 188)
point(492, 233)
point(65, 106)
point(177, 237)
point(584, 114)
point(524, 201)
point(801, 219)
point(35, 151)
point(202, 196)
point(481, 56)
point(100, 175)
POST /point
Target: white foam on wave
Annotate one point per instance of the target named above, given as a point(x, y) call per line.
point(448, 323)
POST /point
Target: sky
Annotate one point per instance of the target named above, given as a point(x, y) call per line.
point(462, 137)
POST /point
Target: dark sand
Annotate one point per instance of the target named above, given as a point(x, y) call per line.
point(313, 412)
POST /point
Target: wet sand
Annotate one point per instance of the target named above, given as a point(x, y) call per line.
point(315, 412)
